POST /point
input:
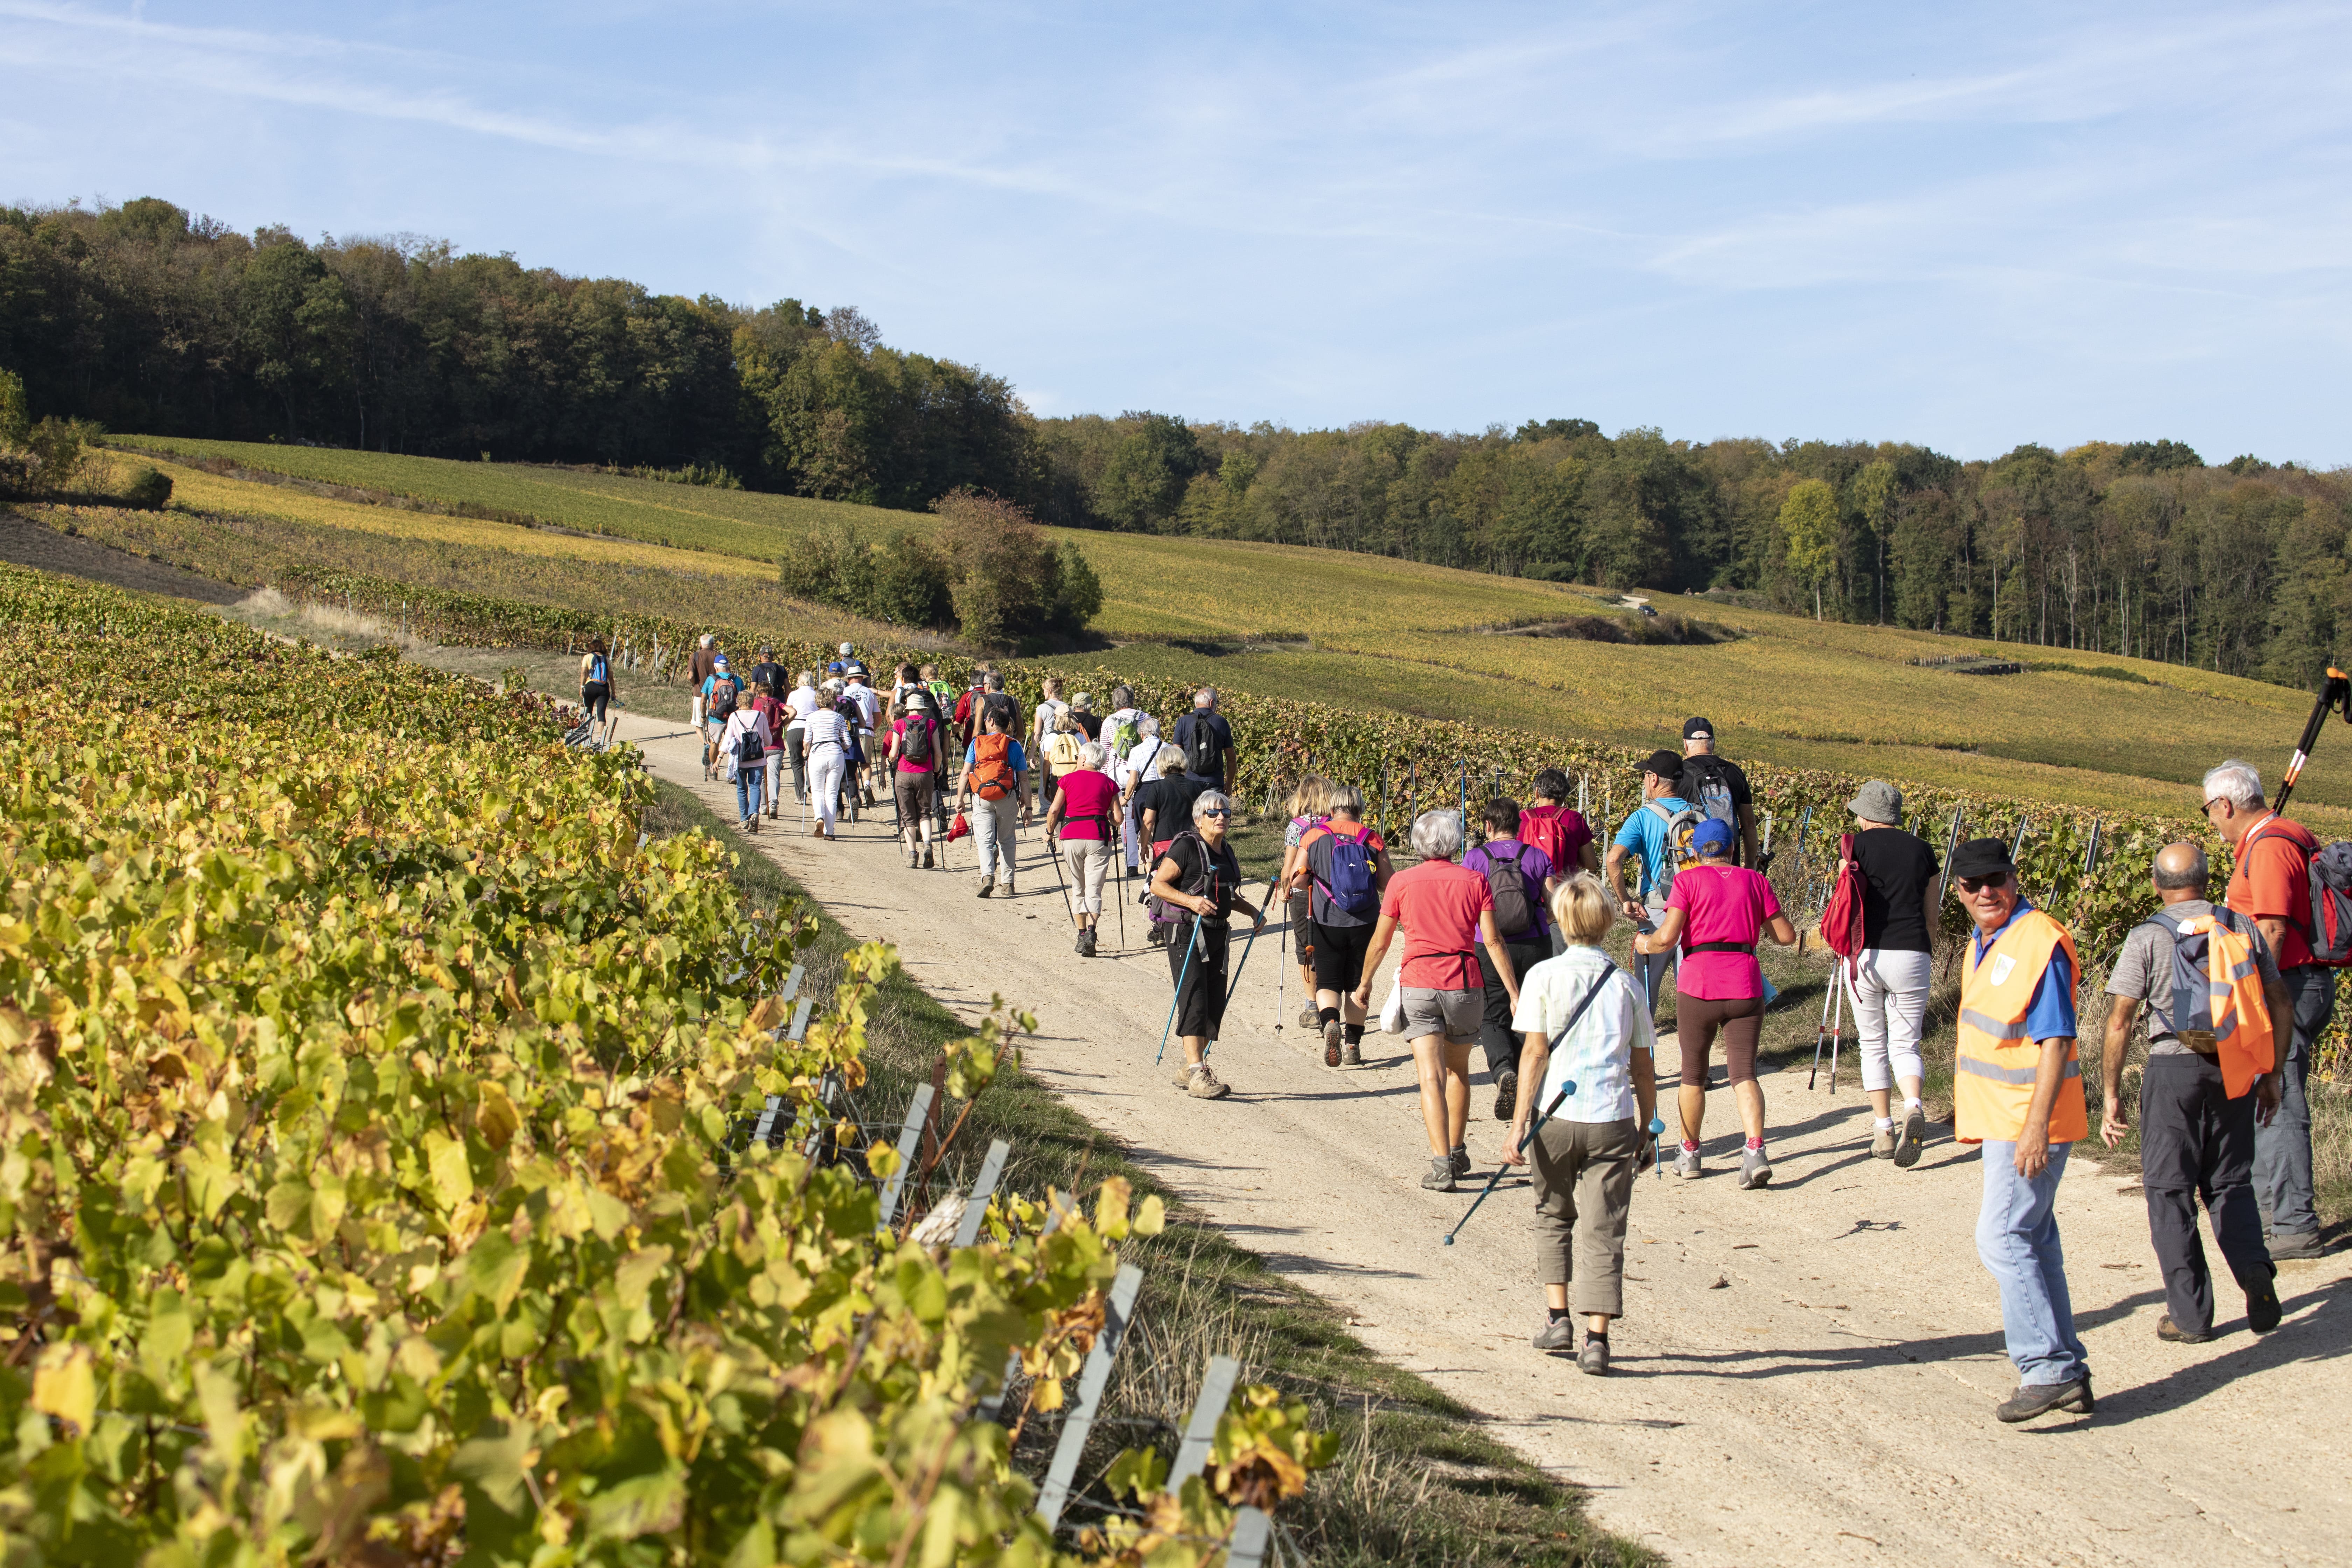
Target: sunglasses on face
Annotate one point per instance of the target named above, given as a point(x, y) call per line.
point(1978, 884)
point(1216, 811)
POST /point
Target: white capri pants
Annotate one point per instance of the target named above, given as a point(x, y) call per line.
point(1890, 1007)
point(827, 761)
point(1089, 861)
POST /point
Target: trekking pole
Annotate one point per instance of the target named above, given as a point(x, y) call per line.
point(1658, 1143)
point(1121, 900)
point(1566, 1087)
point(1067, 902)
point(2335, 692)
point(1281, 975)
point(1822, 1030)
point(1235, 985)
point(1178, 999)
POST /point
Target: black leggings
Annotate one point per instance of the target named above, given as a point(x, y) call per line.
point(594, 697)
point(1198, 972)
point(1338, 957)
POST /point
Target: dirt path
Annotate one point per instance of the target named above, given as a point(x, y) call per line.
point(1805, 1374)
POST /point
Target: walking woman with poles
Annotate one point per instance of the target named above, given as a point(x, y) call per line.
point(1078, 825)
point(1589, 1148)
point(1198, 876)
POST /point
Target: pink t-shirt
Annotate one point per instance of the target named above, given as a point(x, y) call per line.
point(1722, 903)
point(1438, 904)
point(1088, 797)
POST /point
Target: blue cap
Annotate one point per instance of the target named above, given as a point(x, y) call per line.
point(1711, 837)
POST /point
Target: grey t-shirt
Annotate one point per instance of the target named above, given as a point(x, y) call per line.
point(2143, 972)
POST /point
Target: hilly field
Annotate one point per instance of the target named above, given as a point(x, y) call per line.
point(2078, 727)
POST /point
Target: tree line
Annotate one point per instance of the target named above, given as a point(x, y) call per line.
point(141, 318)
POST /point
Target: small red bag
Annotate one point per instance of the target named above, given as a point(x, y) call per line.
point(1841, 917)
point(960, 829)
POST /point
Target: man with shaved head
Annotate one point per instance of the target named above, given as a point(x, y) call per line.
point(2204, 974)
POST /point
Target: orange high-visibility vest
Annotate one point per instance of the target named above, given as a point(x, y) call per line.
point(1992, 1079)
point(2243, 1040)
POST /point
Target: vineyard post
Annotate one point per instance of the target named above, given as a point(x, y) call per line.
point(2017, 845)
point(1462, 803)
point(1201, 1431)
point(1118, 1312)
point(1383, 828)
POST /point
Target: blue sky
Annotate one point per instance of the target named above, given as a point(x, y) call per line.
point(1969, 226)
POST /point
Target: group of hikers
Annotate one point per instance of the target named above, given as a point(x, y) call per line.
point(1502, 951)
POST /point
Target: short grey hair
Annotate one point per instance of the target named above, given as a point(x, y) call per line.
point(1093, 755)
point(994, 682)
point(1121, 697)
point(805, 678)
point(1147, 725)
point(2236, 780)
point(1437, 835)
point(1347, 798)
point(2196, 873)
point(1210, 800)
point(1169, 761)
point(706, 641)
point(1205, 697)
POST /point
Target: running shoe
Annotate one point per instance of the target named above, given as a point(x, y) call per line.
point(1352, 1054)
point(1440, 1178)
point(1882, 1142)
point(1331, 1044)
point(1556, 1335)
point(1459, 1160)
point(1687, 1164)
point(1593, 1359)
point(1507, 1094)
point(1755, 1170)
point(1909, 1138)
point(1308, 1018)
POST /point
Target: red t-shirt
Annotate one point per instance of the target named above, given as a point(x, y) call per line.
point(1721, 903)
point(1560, 831)
point(1438, 904)
point(2272, 881)
point(1087, 800)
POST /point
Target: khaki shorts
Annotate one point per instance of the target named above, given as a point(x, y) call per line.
point(1456, 1014)
point(914, 793)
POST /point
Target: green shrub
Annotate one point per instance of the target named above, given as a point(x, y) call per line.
point(149, 489)
point(15, 413)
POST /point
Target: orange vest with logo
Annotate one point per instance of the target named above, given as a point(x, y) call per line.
point(2241, 1014)
point(1992, 1079)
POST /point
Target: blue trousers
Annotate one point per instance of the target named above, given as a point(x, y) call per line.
point(748, 787)
point(2017, 1236)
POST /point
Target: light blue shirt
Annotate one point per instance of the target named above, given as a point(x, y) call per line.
point(1597, 1056)
point(1644, 832)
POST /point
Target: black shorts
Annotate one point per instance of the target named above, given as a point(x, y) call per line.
point(1340, 956)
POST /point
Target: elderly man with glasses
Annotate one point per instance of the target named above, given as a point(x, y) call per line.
point(2271, 884)
point(2017, 1089)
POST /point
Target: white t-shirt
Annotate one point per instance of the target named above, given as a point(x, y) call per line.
point(867, 702)
point(803, 702)
point(1598, 1054)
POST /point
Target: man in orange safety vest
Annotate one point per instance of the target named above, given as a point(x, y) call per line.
point(2211, 987)
point(2018, 1089)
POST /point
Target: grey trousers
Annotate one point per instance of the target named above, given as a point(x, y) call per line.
point(2282, 1150)
point(1584, 1189)
point(2197, 1142)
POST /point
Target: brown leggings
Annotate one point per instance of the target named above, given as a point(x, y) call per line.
point(1741, 1020)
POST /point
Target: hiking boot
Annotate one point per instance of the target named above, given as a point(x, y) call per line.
point(1007, 885)
point(1910, 1137)
point(1308, 1018)
point(1687, 1164)
point(1593, 1359)
point(1331, 1044)
point(1440, 1178)
point(2296, 1244)
point(1459, 1160)
point(1507, 1094)
point(1081, 943)
point(1556, 1335)
point(2262, 1310)
point(1755, 1170)
point(987, 885)
point(1204, 1084)
point(927, 857)
point(2173, 1334)
point(1182, 1076)
point(2032, 1399)
point(1882, 1142)
point(1352, 1054)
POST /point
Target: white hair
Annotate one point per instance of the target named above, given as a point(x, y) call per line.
point(1210, 800)
point(1437, 835)
point(1169, 761)
point(1147, 725)
point(1205, 697)
point(706, 640)
point(1094, 754)
point(2237, 781)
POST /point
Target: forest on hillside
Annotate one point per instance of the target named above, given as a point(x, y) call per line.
point(143, 318)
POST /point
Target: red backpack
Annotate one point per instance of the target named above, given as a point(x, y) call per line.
point(1841, 917)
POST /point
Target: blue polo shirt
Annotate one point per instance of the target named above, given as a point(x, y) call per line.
point(1644, 832)
point(2050, 1015)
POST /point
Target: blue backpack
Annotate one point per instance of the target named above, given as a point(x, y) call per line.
point(1350, 887)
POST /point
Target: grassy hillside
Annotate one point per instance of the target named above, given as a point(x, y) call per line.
point(2080, 727)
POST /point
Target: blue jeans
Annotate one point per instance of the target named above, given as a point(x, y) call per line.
point(748, 791)
point(2017, 1236)
point(2282, 1179)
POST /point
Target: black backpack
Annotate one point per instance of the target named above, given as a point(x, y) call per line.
point(722, 700)
point(1201, 746)
point(916, 746)
point(1515, 913)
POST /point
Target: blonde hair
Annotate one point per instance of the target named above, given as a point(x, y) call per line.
point(1065, 725)
point(1311, 796)
point(1580, 905)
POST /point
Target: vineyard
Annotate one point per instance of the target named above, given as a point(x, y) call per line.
point(376, 1182)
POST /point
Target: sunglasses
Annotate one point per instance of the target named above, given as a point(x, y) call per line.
point(1216, 811)
point(1978, 884)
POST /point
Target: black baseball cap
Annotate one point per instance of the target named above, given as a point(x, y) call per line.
point(1665, 764)
point(1697, 729)
point(1981, 857)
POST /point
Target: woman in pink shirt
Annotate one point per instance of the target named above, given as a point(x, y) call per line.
point(1716, 911)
